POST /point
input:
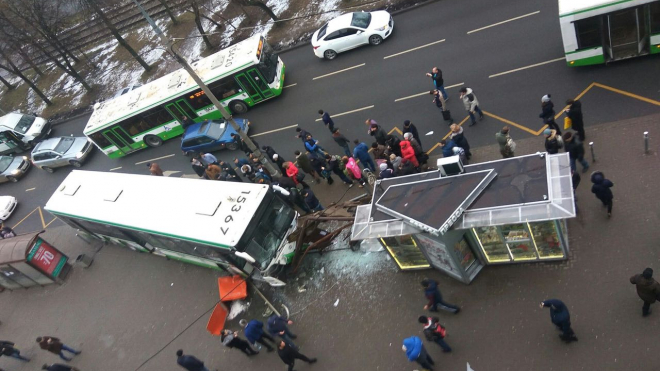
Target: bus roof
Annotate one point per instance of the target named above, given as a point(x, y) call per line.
point(174, 84)
point(570, 7)
point(182, 208)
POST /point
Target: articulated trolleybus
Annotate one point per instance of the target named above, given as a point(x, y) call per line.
point(240, 76)
point(219, 225)
point(601, 31)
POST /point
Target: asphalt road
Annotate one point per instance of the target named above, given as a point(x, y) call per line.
point(376, 77)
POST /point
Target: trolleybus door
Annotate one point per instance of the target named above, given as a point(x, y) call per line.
point(120, 139)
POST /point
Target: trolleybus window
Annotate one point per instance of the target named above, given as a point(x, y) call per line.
point(588, 32)
point(225, 88)
point(268, 63)
point(269, 232)
point(655, 17)
point(100, 140)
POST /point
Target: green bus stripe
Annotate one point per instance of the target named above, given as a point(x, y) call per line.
point(594, 8)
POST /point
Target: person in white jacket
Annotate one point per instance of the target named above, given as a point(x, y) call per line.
point(471, 104)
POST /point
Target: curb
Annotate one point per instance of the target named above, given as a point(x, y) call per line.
point(63, 120)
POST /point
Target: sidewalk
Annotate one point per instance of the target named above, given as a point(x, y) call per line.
point(127, 306)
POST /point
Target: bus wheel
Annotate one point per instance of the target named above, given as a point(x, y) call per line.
point(232, 146)
point(76, 163)
point(153, 141)
point(238, 106)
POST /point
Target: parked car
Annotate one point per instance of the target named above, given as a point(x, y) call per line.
point(351, 30)
point(62, 151)
point(13, 168)
point(208, 136)
point(7, 206)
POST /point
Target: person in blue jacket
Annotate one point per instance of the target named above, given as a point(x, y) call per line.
point(313, 146)
point(361, 152)
point(254, 333)
point(416, 352)
point(278, 326)
point(447, 147)
point(561, 318)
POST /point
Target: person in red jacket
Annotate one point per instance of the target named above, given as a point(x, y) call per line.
point(408, 152)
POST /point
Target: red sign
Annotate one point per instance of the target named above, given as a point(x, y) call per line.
point(45, 257)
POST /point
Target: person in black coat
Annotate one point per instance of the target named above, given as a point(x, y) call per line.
point(561, 318)
point(409, 127)
point(574, 112)
point(327, 120)
point(459, 138)
point(575, 149)
point(548, 113)
point(288, 355)
point(379, 134)
point(231, 340)
point(601, 189)
point(190, 363)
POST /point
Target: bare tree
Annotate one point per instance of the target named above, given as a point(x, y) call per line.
point(168, 10)
point(260, 5)
point(198, 22)
point(11, 67)
point(7, 83)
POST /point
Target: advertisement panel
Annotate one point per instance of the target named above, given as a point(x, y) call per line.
point(46, 258)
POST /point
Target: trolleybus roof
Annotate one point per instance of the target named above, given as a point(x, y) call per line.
point(569, 7)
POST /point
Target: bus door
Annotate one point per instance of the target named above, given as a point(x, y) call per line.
point(250, 85)
point(120, 139)
point(627, 33)
point(256, 78)
point(181, 108)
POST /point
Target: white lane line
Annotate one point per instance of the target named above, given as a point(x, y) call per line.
point(288, 86)
point(413, 49)
point(116, 168)
point(503, 22)
point(273, 131)
point(526, 67)
point(336, 72)
point(154, 159)
point(427, 92)
point(347, 112)
point(30, 189)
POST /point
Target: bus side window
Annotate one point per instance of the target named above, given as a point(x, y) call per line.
point(156, 117)
point(131, 126)
point(224, 88)
point(100, 140)
point(198, 100)
point(588, 32)
point(655, 17)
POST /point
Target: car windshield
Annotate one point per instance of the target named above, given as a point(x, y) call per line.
point(216, 129)
point(322, 32)
point(268, 63)
point(361, 19)
point(24, 124)
point(270, 232)
point(5, 161)
point(64, 144)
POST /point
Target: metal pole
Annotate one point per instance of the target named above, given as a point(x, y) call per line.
point(207, 91)
point(646, 142)
point(591, 147)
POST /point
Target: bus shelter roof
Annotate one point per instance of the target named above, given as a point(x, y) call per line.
point(14, 249)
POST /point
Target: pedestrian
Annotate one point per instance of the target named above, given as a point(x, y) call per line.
point(186, 122)
point(213, 171)
point(247, 172)
point(385, 172)
point(553, 142)
point(342, 141)
point(393, 144)
point(334, 164)
point(548, 113)
point(7, 232)
point(58, 367)
point(438, 82)
point(254, 333)
point(420, 155)
point(270, 151)
point(207, 158)
point(408, 152)
point(190, 363)
point(440, 103)
point(198, 167)
point(405, 168)
point(395, 161)
point(7, 349)
point(279, 326)
point(471, 104)
point(231, 173)
point(55, 346)
point(447, 147)
point(409, 127)
point(298, 200)
point(320, 166)
point(313, 146)
point(575, 149)
point(279, 161)
point(289, 354)
point(302, 134)
point(435, 332)
point(378, 133)
point(648, 289)
point(601, 189)
point(434, 297)
point(242, 145)
point(504, 140)
point(416, 352)
point(459, 138)
point(561, 318)
point(262, 175)
point(303, 163)
point(352, 170)
point(154, 169)
point(574, 112)
point(378, 151)
point(294, 174)
point(310, 199)
point(327, 120)
point(230, 339)
point(361, 153)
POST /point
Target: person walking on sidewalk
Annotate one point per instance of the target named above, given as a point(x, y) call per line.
point(574, 112)
point(648, 289)
point(601, 189)
point(459, 138)
point(434, 297)
point(561, 318)
point(230, 339)
point(504, 140)
point(379, 134)
point(7, 349)
point(303, 163)
point(58, 367)
point(361, 152)
point(279, 326)
point(55, 346)
point(327, 120)
point(471, 104)
point(575, 150)
point(190, 363)
point(409, 127)
point(353, 170)
point(416, 352)
point(438, 81)
point(553, 142)
point(154, 169)
point(310, 199)
point(440, 103)
point(334, 165)
point(342, 141)
point(289, 354)
point(435, 332)
point(548, 113)
point(207, 158)
point(254, 333)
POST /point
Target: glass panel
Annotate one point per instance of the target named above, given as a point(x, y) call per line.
point(491, 244)
point(252, 92)
point(655, 17)
point(438, 255)
point(515, 232)
point(260, 83)
point(519, 242)
point(268, 63)
point(199, 100)
point(16, 276)
point(464, 253)
point(546, 239)
point(185, 108)
point(100, 140)
point(224, 88)
point(122, 134)
point(269, 232)
point(588, 32)
point(405, 252)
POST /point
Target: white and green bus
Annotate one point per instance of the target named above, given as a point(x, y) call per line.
point(240, 76)
point(208, 223)
point(601, 31)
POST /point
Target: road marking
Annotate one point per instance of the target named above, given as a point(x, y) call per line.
point(288, 86)
point(397, 130)
point(30, 189)
point(413, 49)
point(427, 92)
point(526, 67)
point(50, 222)
point(347, 112)
point(275, 130)
point(154, 159)
point(503, 22)
point(115, 168)
point(27, 216)
point(533, 132)
point(41, 215)
point(631, 95)
point(170, 172)
point(340, 71)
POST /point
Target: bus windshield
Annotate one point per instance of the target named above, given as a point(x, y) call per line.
point(24, 124)
point(268, 63)
point(270, 231)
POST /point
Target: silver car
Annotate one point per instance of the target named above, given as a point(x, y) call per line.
point(62, 151)
point(13, 168)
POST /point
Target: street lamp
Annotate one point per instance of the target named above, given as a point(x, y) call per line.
point(170, 47)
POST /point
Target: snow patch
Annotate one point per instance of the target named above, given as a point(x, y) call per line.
point(237, 307)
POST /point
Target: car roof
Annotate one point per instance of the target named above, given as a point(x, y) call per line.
point(47, 145)
point(192, 131)
point(340, 22)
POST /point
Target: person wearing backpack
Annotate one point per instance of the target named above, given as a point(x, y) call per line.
point(435, 332)
point(471, 104)
point(553, 142)
point(507, 145)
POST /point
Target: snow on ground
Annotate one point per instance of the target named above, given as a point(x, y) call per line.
point(327, 6)
point(228, 34)
point(278, 6)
